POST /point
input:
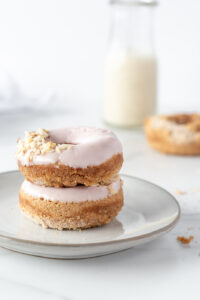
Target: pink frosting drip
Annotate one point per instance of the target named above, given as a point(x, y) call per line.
point(71, 194)
point(92, 146)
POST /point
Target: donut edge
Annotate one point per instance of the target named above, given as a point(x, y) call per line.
point(61, 175)
point(73, 216)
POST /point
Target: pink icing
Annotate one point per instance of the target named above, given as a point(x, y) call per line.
point(71, 194)
point(92, 146)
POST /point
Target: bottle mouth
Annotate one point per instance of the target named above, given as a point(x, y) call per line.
point(135, 2)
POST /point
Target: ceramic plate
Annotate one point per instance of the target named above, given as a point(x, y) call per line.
point(148, 212)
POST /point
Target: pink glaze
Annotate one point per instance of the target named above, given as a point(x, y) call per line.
point(71, 194)
point(92, 146)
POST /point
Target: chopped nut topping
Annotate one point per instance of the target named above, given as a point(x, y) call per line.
point(38, 143)
point(61, 147)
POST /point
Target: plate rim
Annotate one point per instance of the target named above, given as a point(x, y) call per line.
point(125, 240)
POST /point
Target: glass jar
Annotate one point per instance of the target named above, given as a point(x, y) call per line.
point(130, 79)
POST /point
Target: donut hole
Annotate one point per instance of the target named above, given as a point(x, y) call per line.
point(71, 136)
point(192, 121)
point(60, 142)
point(182, 119)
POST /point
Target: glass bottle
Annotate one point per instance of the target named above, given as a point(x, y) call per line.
point(130, 79)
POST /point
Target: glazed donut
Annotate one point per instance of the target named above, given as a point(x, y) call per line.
point(69, 156)
point(72, 208)
point(174, 134)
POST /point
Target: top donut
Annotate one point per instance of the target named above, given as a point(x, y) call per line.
point(69, 156)
point(174, 134)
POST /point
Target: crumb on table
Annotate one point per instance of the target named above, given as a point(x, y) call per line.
point(178, 192)
point(185, 240)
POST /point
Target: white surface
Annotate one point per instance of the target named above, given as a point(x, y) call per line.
point(55, 50)
point(161, 269)
point(141, 220)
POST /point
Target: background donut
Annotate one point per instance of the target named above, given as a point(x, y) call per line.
point(174, 134)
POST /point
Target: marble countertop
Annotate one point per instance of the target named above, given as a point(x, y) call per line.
point(162, 269)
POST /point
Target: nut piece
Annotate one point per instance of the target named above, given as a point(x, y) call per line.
point(61, 147)
point(38, 143)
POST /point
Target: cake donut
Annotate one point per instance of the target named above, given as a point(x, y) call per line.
point(77, 207)
point(69, 156)
point(174, 134)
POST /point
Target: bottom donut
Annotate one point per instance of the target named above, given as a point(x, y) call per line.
point(71, 208)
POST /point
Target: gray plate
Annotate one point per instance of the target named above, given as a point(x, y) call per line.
point(148, 212)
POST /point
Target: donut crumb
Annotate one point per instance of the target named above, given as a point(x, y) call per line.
point(178, 192)
point(185, 240)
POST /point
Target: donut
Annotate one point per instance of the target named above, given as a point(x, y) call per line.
point(69, 156)
point(174, 134)
point(77, 207)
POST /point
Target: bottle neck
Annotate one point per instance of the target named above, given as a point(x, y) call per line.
point(132, 28)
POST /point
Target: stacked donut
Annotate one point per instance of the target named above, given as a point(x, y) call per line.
point(71, 177)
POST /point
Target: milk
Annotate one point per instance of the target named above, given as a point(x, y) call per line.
point(129, 89)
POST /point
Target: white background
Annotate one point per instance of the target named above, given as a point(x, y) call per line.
point(55, 49)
